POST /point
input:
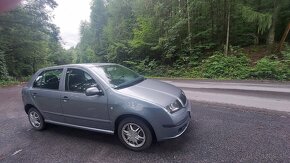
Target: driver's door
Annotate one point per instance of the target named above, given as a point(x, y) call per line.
point(81, 110)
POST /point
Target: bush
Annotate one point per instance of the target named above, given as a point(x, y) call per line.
point(230, 67)
point(286, 56)
point(3, 67)
point(144, 67)
point(4, 83)
point(270, 69)
point(218, 66)
point(286, 61)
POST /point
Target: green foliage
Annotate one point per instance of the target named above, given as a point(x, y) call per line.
point(263, 20)
point(230, 67)
point(171, 38)
point(218, 66)
point(286, 61)
point(286, 56)
point(29, 39)
point(143, 32)
point(4, 83)
point(154, 37)
point(145, 67)
point(3, 68)
point(118, 52)
point(271, 69)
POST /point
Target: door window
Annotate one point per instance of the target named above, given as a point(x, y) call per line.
point(78, 81)
point(48, 79)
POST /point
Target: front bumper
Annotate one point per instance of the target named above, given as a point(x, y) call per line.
point(182, 119)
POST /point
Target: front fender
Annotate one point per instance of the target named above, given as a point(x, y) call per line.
point(120, 105)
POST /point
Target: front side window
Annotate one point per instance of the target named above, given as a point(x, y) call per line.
point(78, 81)
point(48, 79)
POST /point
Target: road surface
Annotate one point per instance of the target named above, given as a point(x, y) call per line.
point(217, 133)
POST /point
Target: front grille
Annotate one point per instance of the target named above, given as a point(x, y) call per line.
point(182, 97)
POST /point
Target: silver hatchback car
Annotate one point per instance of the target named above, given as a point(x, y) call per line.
point(107, 98)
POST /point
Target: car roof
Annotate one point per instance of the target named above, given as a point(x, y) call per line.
point(84, 65)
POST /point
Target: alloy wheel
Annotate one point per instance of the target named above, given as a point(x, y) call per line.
point(133, 135)
point(34, 119)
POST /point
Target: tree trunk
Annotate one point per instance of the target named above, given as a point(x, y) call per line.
point(287, 29)
point(189, 26)
point(34, 65)
point(179, 6)
point(224, 21)
point(228, 30)
point(257, 34)
point(212, 20)
point(271, 35)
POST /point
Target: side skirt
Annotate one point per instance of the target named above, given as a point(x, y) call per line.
point(80, 127)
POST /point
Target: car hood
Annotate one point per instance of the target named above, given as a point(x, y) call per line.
point(153, 91)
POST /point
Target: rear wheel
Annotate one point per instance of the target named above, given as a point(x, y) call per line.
point(35, 118)
point(134, 134)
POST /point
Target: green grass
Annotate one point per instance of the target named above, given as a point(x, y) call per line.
point(8, 83)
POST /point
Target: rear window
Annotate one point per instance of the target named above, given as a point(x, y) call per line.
point(48, 79)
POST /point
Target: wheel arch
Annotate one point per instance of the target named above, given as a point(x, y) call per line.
point(121, 117)
point(28, 106)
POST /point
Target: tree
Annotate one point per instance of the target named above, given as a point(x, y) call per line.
point(3, 69)
point(228, 28)
point(188, 25)
point(286, 32)
point(176, 33)
point(98, 22)
point(28, 37)
point(275, 13)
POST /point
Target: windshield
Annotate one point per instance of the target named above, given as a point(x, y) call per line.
point(118, 76)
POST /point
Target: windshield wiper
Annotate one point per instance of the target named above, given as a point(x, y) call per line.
point(130, 83)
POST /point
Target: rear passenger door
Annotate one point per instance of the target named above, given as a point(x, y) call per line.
point(46, 94)
point(82, 110)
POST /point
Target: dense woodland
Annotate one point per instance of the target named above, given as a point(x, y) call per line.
point(221, 39)
point(29, 40)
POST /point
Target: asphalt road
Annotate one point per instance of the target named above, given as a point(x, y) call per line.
point(254, 94)
point(217, 133)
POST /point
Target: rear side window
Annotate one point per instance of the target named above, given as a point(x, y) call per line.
point(48, 79)
point(78, 81)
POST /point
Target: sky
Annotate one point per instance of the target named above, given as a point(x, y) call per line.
point(67, 16)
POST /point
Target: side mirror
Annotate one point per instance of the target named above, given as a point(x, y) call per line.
point(94, 91)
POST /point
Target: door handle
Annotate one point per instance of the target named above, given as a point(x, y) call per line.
point(65, 99)
point(34, 95)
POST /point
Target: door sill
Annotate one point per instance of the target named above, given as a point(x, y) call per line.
point(80, 127)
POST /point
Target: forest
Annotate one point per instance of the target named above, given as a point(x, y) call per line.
point(29, 40)
point(212, 39)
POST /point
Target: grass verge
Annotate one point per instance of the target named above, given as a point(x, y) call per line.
point(7, 83)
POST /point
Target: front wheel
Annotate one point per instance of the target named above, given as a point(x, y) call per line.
point(35, 118)
point(134, 134)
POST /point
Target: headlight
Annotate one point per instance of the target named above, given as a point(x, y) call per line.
point(175, 106)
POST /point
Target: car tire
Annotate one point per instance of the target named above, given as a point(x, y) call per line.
point(135, 134)
point(36, 119)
